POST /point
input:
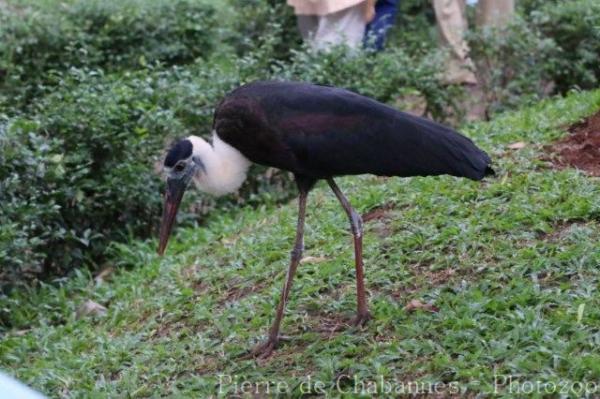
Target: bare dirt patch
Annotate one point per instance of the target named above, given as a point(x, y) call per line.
point(379, 212)
point(563, 229)
point(439, 277)
point(379, 218)
point(580, 149)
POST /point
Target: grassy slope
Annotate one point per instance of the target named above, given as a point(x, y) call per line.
point(511, 263)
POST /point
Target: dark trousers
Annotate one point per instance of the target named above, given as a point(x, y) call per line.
point(385, 16)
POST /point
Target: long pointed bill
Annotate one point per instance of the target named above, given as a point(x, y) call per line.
point(175, 190)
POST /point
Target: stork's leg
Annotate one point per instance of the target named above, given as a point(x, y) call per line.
point(265, 349)
point(362, 315)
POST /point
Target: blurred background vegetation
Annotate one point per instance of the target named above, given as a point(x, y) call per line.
point(92, 92)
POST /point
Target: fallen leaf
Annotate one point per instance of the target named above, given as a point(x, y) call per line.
point(415, 304)
point(313, 259)
point(517, 146)
point(90, 308)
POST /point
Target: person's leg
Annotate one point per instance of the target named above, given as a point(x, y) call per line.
point(385, 16)
point(452, 25)
point(343, 27)
point(495, 13)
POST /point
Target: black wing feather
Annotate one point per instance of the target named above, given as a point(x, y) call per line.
point(320, 131)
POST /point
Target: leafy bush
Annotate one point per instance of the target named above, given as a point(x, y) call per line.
point(553, 47)
point(415, 28)
point(513, 63)
point(28, 208)
point(37, 42)
point(383, 76)
point(83, 169)
point(575, 27)
point(254, 21)
point(525, 7)
point(75, 171)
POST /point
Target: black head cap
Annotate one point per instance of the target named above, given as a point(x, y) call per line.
point(182, 149)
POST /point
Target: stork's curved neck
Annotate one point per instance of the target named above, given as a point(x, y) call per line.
point(225, 167)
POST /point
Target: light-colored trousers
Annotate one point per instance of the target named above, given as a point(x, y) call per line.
point(452, 25)
point(343, 27)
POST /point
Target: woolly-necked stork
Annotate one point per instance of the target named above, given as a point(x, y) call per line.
point(315, 132)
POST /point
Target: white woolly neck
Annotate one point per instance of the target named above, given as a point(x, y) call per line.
point(225, 167)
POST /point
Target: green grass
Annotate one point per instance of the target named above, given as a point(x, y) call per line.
point(511, 263)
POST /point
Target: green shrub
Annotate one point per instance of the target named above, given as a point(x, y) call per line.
point(553, 47)
point(575, 27)
point(84, 168)
point(513, 63)
point(415, 27)
point(36, 42)
point(525, 7)
point(254, 21)
point(383, 76)
point(29, 168)
point(77, 175)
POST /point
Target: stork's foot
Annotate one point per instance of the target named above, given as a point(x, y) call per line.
point(263, 350)
point(361, 319)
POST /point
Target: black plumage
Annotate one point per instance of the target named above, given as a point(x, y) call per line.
point(318, 132)
point(181, 149)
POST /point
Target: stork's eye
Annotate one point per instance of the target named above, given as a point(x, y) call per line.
point(179, 167)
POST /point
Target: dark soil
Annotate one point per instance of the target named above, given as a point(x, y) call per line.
point(377, 213)
point(580, 149)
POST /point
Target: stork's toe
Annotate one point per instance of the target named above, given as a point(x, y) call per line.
point(361, 319)
point(263, 350)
